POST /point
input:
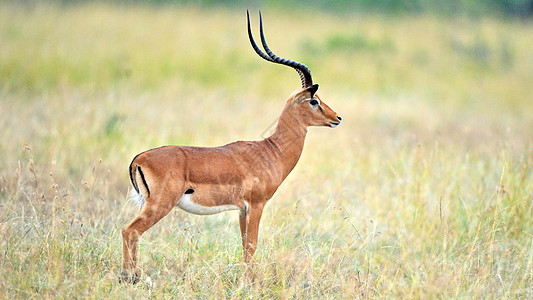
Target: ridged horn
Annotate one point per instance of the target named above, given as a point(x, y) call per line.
point(303, 70)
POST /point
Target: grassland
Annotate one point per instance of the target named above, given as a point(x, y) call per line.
point(424, 191)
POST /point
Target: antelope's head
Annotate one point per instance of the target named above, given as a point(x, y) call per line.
point(304, 103)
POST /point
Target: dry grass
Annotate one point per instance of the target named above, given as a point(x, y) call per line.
point(425, 191)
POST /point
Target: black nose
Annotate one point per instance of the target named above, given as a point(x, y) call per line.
point(340, 119)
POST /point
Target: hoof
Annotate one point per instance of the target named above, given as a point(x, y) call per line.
point(127, 278)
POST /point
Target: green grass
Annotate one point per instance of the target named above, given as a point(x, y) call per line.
point(424, 191)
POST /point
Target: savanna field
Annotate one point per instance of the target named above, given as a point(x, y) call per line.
point(424, 191)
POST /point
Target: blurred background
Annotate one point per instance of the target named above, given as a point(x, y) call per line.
point(424, 191)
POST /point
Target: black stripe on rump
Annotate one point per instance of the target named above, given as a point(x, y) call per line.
point(131, 176)
point(144, 180)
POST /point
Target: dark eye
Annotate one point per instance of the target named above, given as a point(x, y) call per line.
point(313, 102)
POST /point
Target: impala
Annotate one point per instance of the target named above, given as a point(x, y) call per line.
point(241, 176)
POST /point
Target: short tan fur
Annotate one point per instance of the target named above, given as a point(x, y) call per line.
point(242, 175)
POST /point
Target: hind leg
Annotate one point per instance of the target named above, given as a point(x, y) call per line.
point(148, 217)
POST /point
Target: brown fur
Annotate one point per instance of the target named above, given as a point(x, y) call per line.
point(239, 172)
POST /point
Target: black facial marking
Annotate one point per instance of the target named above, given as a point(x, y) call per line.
point(189, 191)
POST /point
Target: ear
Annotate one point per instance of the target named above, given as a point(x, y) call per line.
point(312, 89)
point(302, 94)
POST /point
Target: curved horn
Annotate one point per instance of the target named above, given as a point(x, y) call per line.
point(303, 70)
point(254, 45)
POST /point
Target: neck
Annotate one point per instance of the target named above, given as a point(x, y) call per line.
point(288, 139)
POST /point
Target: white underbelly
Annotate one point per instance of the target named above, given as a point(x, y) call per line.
point(187, 204)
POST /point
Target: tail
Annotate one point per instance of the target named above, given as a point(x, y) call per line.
point(136, 193)
point(136, 198)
